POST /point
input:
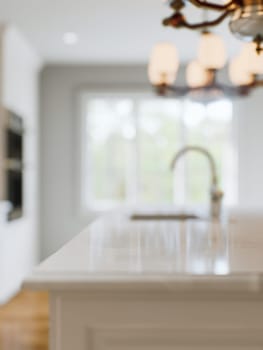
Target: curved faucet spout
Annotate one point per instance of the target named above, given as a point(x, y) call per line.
point(216, 195)
point(202, 151)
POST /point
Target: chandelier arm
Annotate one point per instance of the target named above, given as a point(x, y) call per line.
point(178, 90)
point(234, 91)
point(203, 4)
point(228, 90)
point(207, 23)
point(257, 83)
point(166, 90)
point(177, 20)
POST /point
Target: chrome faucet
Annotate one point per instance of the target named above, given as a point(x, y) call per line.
point(216, 195)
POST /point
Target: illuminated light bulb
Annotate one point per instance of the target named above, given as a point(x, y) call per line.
point(252, 62)
point(211, 51)
point(238, 73)
point(163, 65)
point(197, 75)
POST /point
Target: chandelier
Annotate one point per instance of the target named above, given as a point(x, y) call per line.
point(246, 17)
point(244, 70)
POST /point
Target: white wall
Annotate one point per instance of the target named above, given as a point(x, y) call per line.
point(59, 147)
point(250, 138)
point(19, 240)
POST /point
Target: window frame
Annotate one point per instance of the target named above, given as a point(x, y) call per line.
point(136, 95)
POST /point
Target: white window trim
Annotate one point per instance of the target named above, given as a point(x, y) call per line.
point(87, 212)
point(83, 97)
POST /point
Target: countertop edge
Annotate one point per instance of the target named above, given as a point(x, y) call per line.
point(191, 285)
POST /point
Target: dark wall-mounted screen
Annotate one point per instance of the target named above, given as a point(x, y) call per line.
point(14, 145)
point(14, 162)
point(15, 189)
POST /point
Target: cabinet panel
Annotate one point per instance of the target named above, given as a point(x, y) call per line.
point(160, 339)
point(84, 322)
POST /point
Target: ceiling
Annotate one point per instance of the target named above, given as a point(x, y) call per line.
point(110, 31)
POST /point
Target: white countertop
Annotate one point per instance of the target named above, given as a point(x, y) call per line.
point(116, 252)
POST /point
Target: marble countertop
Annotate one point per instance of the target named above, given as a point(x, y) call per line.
point(117, 252)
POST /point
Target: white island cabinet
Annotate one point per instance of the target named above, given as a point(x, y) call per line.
point(159, 285)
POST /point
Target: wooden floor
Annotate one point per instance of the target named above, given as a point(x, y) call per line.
point(24, 322)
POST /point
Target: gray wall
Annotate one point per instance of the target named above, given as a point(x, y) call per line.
point(59, 116)
point(60, 85)
point(250, 148)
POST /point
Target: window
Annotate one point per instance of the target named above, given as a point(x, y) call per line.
point(129, 141)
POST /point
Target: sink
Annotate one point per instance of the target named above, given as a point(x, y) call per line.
point(162, 216)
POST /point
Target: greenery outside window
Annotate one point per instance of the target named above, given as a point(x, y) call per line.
point(130, 139)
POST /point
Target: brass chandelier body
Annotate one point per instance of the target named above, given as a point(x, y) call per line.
point(245, 70)
point(246, 18)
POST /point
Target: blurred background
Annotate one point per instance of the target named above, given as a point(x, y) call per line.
point(82, 131)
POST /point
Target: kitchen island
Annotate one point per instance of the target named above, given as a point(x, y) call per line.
point(126, 284)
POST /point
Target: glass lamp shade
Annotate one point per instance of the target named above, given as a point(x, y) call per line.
point(238, 73)
point(246, 22)
point(197, 75)
point(211, 51)
point(163, 65)
point(252, 62)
